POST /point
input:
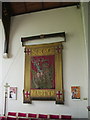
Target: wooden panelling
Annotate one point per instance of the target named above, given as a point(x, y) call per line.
point(51, 4)
point(33, 6)
point(28, 7)
point(18, 7)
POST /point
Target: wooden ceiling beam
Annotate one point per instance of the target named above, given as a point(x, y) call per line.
point(6, 19)
point(29, 7)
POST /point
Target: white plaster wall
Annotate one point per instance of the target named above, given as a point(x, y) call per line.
point(74, 59)
point(85, 17)
point(89, 55)
point(1, 34)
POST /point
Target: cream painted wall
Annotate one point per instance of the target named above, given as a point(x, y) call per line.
point(1, 34)
point(74, 60)
point(85, 17)
point(89, 55)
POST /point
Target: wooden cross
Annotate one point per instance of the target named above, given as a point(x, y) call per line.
point(58, 93)
point(27, 51)
point(27, 94)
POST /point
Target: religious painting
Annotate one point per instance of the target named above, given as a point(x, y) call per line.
point(75, 90)
point(13, 93)
point(43, 73)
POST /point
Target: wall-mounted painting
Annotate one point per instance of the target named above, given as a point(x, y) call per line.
point(13, 93)
point(75, 91)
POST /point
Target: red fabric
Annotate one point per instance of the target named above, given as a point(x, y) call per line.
point(23, 119)
point(34, 119)
point(40, 66)
point(42, 116)
point(32, 115)
point(42, 59)
point(2, 118)
point(22, 114)
point(66, 116)
point(12, 113)
point(11, 118)
point(54, 116)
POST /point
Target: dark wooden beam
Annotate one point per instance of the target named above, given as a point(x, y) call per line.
point(6, 18)
point(0, 10)
point(42, 7)
point(61, 34)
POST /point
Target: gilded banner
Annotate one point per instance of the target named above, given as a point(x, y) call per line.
point(43, 73)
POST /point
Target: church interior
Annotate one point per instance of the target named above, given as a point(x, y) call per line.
point(44, 60)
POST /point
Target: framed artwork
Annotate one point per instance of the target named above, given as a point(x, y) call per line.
point(43, 73)
point(75, 91)
point(13, 93)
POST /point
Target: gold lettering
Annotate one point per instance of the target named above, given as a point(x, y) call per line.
point(52, 93)
point(42, 93)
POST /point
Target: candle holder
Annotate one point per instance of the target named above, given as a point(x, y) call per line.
point(6, 95)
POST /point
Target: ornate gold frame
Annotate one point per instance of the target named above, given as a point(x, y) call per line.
point(44, 94)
